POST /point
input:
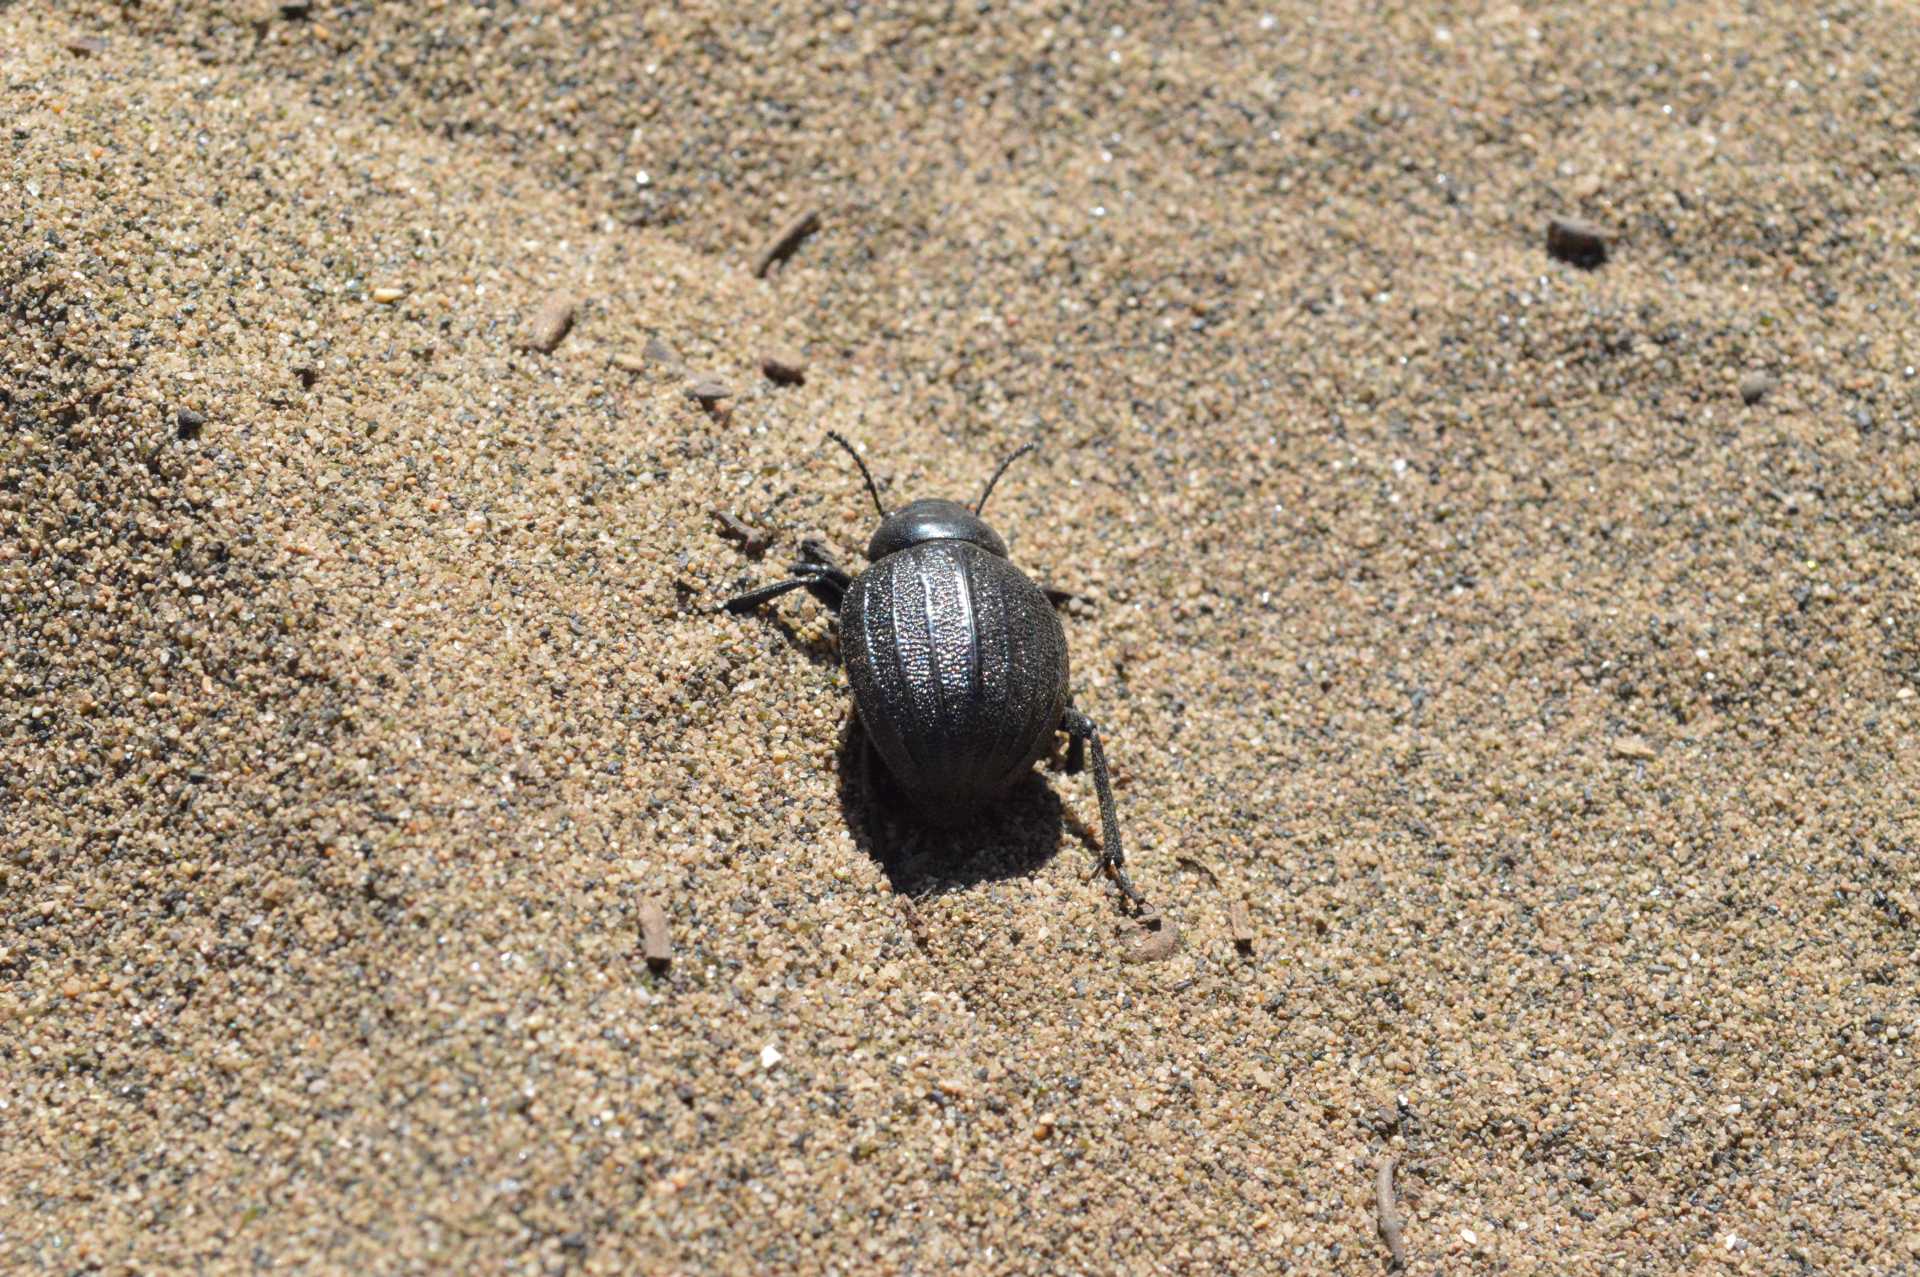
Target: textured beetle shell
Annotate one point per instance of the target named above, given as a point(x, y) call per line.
point(959, 671)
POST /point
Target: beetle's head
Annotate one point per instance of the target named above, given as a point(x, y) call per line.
point(932, 520)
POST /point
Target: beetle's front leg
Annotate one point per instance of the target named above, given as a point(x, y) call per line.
point(1081, 731)
point(825, 581)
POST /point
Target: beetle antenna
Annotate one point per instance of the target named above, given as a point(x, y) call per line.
point(1014, 456)
point(865, 473)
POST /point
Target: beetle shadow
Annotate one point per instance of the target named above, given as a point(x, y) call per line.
point(1013, 838)
point(822, 652)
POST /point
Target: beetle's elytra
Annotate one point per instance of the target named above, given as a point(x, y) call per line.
point(959, 668)
point(957, 660)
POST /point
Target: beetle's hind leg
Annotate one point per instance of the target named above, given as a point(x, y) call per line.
point(1084, 736)
point(1076, 759)
point(825, 581)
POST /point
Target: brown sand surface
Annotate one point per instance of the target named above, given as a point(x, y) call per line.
point(1551, 707)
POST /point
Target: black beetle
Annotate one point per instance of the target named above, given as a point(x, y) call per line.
point(958, 663)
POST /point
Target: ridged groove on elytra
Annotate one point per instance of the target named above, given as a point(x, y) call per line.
point(969, 623)
point(1030, 632)
point(990, 615)
point(905, 643)
point(926, 568)
point(978, 723)
point(1005, 743)
point(884, 731)
point(1055, 641)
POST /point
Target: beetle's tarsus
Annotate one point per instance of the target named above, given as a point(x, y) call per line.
point(1118, 876)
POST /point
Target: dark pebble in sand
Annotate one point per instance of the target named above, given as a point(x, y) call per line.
point(1578, 242)
point(188, 423)
point(784, 368)
point(1755, 386)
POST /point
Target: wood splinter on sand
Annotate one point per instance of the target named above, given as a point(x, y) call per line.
point(781, 246)
point(1390, 1221)
point(549, 325)
point(1240, 923)
point(656, 943)
point(1634, 747)
point(748, 537)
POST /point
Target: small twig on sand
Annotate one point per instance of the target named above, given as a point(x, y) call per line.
point(1390, 1221)
point(781, 246)
point(750, 538)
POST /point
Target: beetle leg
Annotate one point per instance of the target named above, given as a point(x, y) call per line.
point(825, 581)
point(1058, 597)
point(1076, 760)
point(1113, 857)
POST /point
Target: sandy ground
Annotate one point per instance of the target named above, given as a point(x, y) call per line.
point(1551, 706)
